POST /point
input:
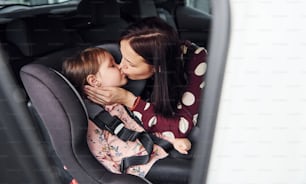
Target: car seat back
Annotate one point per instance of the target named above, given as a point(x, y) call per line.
point(39, 37)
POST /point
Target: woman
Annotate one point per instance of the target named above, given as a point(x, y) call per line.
point(174, 71)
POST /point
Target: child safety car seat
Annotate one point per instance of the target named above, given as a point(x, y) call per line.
point(63, 120)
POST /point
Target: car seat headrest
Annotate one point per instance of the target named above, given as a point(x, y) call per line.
point(54, 81)
point(35, 36)
point(73, 89)
point(137, 9)
point(102, 12)
point(113, 48)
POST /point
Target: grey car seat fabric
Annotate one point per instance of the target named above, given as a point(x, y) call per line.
point(64, 122)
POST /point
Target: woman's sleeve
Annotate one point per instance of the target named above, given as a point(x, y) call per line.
point(187, 110)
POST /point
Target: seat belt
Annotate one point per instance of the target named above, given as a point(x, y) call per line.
point(115, 126)
point(166, 145)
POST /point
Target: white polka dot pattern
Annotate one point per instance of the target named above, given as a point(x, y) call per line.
point(152, 121)
point(147, 106)
point(138, 115)
point(184, 49)
point(168, 134)
point(202, 85)
point(186, 115)
point(195, 119)
point(179, 106)
point(199, 50)
point(200, 69)
point(188, 99)
point(183, 125)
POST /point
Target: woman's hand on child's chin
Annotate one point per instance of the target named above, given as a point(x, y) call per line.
point(93, 94)
point(109, 95)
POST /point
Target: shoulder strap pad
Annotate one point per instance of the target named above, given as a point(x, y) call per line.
point(115, 126)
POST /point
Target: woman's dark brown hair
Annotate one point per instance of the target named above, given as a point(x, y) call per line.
point(158, 43)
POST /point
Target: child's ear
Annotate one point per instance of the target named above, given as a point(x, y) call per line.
point(92, 80)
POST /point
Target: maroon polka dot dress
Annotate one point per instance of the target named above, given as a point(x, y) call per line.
point(180, 125)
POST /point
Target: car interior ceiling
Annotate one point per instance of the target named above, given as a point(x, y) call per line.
point(49, 35)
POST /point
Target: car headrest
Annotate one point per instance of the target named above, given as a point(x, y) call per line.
point(36, 36)
point(137, 9)
point(101, 11)
point(53, 80)
point(113, 48)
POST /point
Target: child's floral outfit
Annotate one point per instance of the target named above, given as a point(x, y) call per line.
point(110, 150)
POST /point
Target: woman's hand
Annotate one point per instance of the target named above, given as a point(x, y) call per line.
point(110, 95)
point(182, 145)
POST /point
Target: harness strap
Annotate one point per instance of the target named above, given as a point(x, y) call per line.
point(147, 143)
point(166, 145)
point(115, 126)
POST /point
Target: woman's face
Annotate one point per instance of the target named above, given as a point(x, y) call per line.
point(109, 73)
point(133, 65)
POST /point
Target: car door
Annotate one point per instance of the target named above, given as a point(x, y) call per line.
point(23, 157)
point(260, 123)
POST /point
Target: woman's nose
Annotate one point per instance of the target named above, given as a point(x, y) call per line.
point(122, 65)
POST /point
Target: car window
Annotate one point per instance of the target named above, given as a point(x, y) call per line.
point(4, 3)
point(50, 30)
point(201, 5)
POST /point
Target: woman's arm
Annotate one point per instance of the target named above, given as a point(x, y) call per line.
point(187, 111)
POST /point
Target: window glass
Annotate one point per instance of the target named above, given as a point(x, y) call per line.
point(202, 5)
point(31, 2)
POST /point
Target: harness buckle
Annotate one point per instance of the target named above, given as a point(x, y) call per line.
point(115, 126)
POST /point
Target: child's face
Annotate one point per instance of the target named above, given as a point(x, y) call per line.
point(109, 73)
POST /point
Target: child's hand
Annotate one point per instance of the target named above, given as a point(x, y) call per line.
point(182, 145)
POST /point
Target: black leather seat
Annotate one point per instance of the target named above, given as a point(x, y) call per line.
point(40, 38)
